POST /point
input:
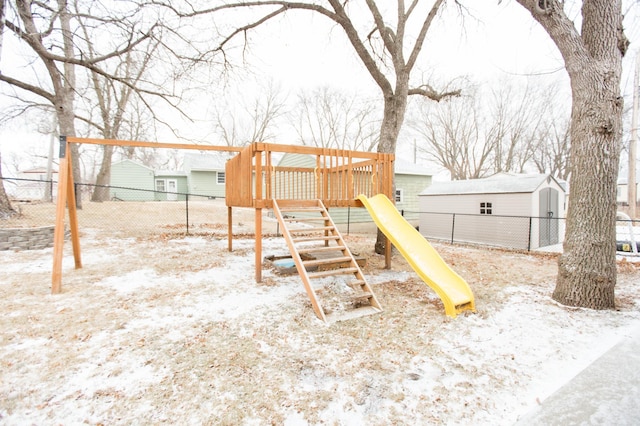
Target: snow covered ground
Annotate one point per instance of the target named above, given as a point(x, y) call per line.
point(176, 331)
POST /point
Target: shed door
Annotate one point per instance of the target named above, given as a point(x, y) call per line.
point(548, 217)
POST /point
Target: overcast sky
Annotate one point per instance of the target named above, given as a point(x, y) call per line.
point(305, 51)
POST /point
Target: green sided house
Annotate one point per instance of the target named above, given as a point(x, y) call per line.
point(132, 181)
point(410, 180)
point(203, 175)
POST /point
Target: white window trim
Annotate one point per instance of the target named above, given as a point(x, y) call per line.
point(164, 185)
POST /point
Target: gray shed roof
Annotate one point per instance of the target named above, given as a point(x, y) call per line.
point(498, 184)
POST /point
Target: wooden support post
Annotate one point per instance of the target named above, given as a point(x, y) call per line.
point(230, 228)
point(73, 214)
point(58, 234)
point(66, 199)
point(387, 254)
point(258, 245)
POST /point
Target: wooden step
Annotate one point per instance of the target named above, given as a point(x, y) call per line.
point(318, 238)
point(325, 249)
point(359, 283)
point(313, 229)
point(332, 272)
point(305, 219)
point(301, 209)
point(359, 296)
point(352, 314)
point(328, 261)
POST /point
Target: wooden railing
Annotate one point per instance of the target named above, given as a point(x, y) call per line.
point(334, 176)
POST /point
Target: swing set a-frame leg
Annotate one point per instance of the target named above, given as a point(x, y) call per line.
point(66, 198)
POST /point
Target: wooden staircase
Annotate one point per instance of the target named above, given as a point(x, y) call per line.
point(315, 233)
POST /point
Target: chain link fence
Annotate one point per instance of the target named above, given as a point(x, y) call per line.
point(514, 232)
point(148, 212)
point(144, 211)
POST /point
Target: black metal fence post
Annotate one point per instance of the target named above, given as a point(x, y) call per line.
point(530, 226)
point(453, 226)
point(186, 202)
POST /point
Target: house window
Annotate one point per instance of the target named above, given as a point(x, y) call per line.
point(160, 185)
point(486, 208)
point(221, 179)
point(398, 195)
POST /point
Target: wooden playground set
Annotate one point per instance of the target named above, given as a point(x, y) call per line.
point(300, 198)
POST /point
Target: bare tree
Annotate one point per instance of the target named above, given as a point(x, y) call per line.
point(112, 101)
point(515, 116)
point(452, 135)
point(54, 49)
point(325, 118)
point(593, 59)
point(551, 153)
point(484, 131)
point(382, 37)
point(245, 119)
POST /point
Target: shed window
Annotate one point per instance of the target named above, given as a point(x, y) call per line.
point(221, 178)
point(486, 208)
point(398, 195)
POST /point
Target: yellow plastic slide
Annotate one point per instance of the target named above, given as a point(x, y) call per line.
point(423, 258)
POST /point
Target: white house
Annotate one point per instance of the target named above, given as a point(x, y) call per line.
point(33, 185)
point(512, 210)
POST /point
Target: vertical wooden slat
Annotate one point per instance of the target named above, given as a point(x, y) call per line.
point(268, 166)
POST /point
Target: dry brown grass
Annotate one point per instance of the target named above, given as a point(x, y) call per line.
point(196, 340)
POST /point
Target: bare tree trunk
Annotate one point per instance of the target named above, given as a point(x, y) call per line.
point(587, 269)
point(6, 209)
point(395, 106)
point(101, 191)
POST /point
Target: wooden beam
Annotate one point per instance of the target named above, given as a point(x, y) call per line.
point(73, 213)
point(144, 144)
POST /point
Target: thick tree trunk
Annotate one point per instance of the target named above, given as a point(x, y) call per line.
point(593, 59)
point(395, 107)
point(101, 191)
point(587, 269)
